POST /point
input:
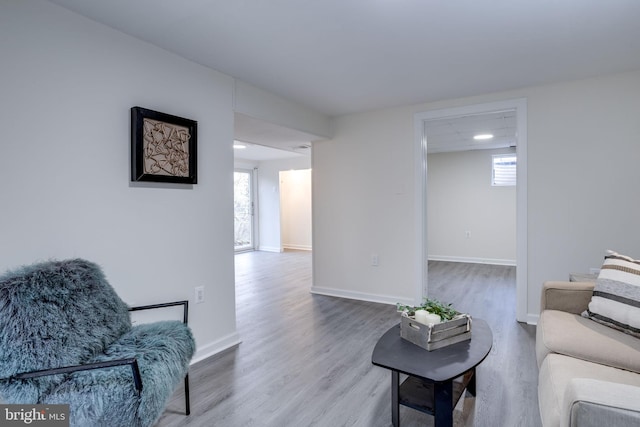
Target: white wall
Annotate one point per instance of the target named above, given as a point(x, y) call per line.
point(295, 208)
point(259, 104)
point(67, 87)
point(363, 206)
point(460, 199)
point(269, 199)
point(582, 156)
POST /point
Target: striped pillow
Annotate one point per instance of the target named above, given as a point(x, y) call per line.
point(616, 296)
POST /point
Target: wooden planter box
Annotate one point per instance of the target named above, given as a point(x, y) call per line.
point(431, 337)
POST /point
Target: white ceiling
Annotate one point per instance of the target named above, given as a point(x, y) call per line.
point(259, 135)
point(346, 56)
point(259, 153)
point(443, 135)
point(456, 134)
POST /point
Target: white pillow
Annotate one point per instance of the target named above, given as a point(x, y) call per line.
point(616, 296)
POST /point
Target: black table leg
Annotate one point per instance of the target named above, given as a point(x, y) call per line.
point(395, 401)
point(443, 404)
point(471, 385)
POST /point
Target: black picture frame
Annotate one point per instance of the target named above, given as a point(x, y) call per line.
point(163, 147)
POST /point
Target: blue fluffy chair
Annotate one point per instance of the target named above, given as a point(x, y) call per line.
point(66, 338)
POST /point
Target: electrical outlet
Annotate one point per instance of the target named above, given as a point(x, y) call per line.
point(467, 234)
point(199, 294)
point(374, 260)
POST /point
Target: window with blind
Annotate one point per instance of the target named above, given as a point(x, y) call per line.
point(503, 170)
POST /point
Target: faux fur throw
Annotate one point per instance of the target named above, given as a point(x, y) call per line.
point(55, 314)
point(63, 313)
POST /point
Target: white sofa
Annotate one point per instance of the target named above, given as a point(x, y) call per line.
point(589, 373)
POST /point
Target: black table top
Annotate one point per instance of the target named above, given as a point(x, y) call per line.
point(443, 364)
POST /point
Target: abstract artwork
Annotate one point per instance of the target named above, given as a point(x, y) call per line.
point(163, 147)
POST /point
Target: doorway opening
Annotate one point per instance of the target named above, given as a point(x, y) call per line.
point(421, 121)
point(243, 210)
point(295, 209)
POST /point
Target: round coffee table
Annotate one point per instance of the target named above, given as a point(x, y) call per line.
point(437, 379)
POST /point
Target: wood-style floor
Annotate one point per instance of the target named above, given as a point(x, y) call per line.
point(305, 360)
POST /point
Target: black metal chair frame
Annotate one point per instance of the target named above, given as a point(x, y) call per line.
point(135, 370)
point(185, 320)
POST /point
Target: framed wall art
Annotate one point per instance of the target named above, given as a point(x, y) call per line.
point(163, 147)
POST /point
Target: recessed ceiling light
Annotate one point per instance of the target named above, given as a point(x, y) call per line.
point(239, 146)
point(482, 136)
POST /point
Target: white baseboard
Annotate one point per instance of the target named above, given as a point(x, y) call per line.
point(270, 249)
point(532, 319)
point(297, 247)
point(472, 260)
point(361, 296)
point(216, 347)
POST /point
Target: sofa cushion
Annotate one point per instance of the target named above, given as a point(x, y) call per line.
point(575, 336)
point(572, 297)
point(557, 371)
point(616, 296)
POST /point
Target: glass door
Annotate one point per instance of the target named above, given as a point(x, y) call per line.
point(243, 209)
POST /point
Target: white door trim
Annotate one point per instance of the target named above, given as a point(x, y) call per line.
point(420, 149)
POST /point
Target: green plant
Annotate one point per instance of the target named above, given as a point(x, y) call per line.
point(445, 311)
